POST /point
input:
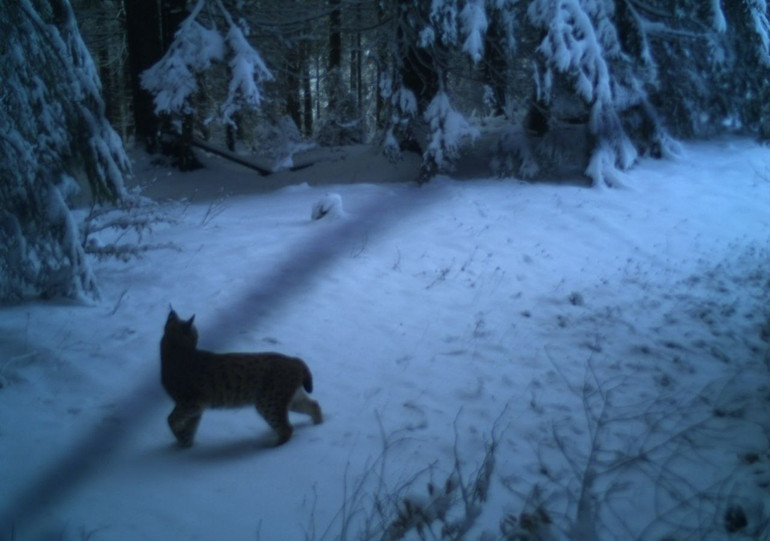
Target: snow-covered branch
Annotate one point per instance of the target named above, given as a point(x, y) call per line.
point(403, 105)
point(448, 129)
point(173, 80)
point(579, 43)
point(760, 25)
point(572, 46)
point(474, 25)
point(118, 231)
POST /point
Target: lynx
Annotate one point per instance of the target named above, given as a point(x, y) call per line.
point(197, 379)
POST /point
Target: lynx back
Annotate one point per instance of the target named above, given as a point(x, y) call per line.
point(197, 379)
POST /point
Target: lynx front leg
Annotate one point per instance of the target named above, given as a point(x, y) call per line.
point(278, 419)
point(184, 422)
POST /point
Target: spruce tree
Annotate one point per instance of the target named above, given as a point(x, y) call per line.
point(54, 133)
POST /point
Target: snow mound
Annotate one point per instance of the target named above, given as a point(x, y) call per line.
point(330, 205)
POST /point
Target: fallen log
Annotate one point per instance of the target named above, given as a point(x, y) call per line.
point(259, 168)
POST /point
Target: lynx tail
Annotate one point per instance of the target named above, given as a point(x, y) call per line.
point(307, 382)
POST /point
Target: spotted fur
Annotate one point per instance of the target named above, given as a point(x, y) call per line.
point(196, 379)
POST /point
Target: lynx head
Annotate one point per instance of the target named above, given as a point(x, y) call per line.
point(181, 332)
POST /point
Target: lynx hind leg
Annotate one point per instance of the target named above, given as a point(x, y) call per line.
point(302, 403)
point(184, 422)
point(278, 419)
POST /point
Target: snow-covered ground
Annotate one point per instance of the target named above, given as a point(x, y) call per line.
point(601, 348)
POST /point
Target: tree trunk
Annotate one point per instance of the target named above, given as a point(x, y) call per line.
point(335, 38)
point(358, 63)
point(173, 12)
point(335, 52)
point(419, 74)
point(382, 61)
point(150, 28)
point(293, 73)
point(145, 48)
point(307, 93)
point(231, 135)
point(186, 158)
point(495, 66)
point(418, 69)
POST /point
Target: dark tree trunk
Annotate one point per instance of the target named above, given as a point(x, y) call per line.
point(150, 27)
point(186, 160)
point(353, 78)
point(379, 103)
point(145, 47)
point(231, 134)
point(419, 74)
point(173, 12)
point(307, 93)
point(335, 38)
point(355, 61)
point(293, 73)
point(495, 66)
point(359, 68)
point(382, 61)
point(418, 69)
point(335, 53)
point(538, 118)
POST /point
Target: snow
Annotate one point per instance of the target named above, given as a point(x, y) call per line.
point(329, 206)
point(448, 130)
point(718, 21)
point(604, 343)
point(427, 37)
point(571, 45)
point(443, 17)
point(248, 72)
point(404, 101)
point(173, 78)
point(54, 130)
point(761, 23)
point(474, 23)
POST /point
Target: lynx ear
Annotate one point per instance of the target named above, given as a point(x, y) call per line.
point(190, 321)
point(172, 314)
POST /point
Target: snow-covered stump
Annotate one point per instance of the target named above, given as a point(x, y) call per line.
point(329, 206)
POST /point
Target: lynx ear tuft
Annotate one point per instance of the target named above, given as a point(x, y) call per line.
point(190, 321)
